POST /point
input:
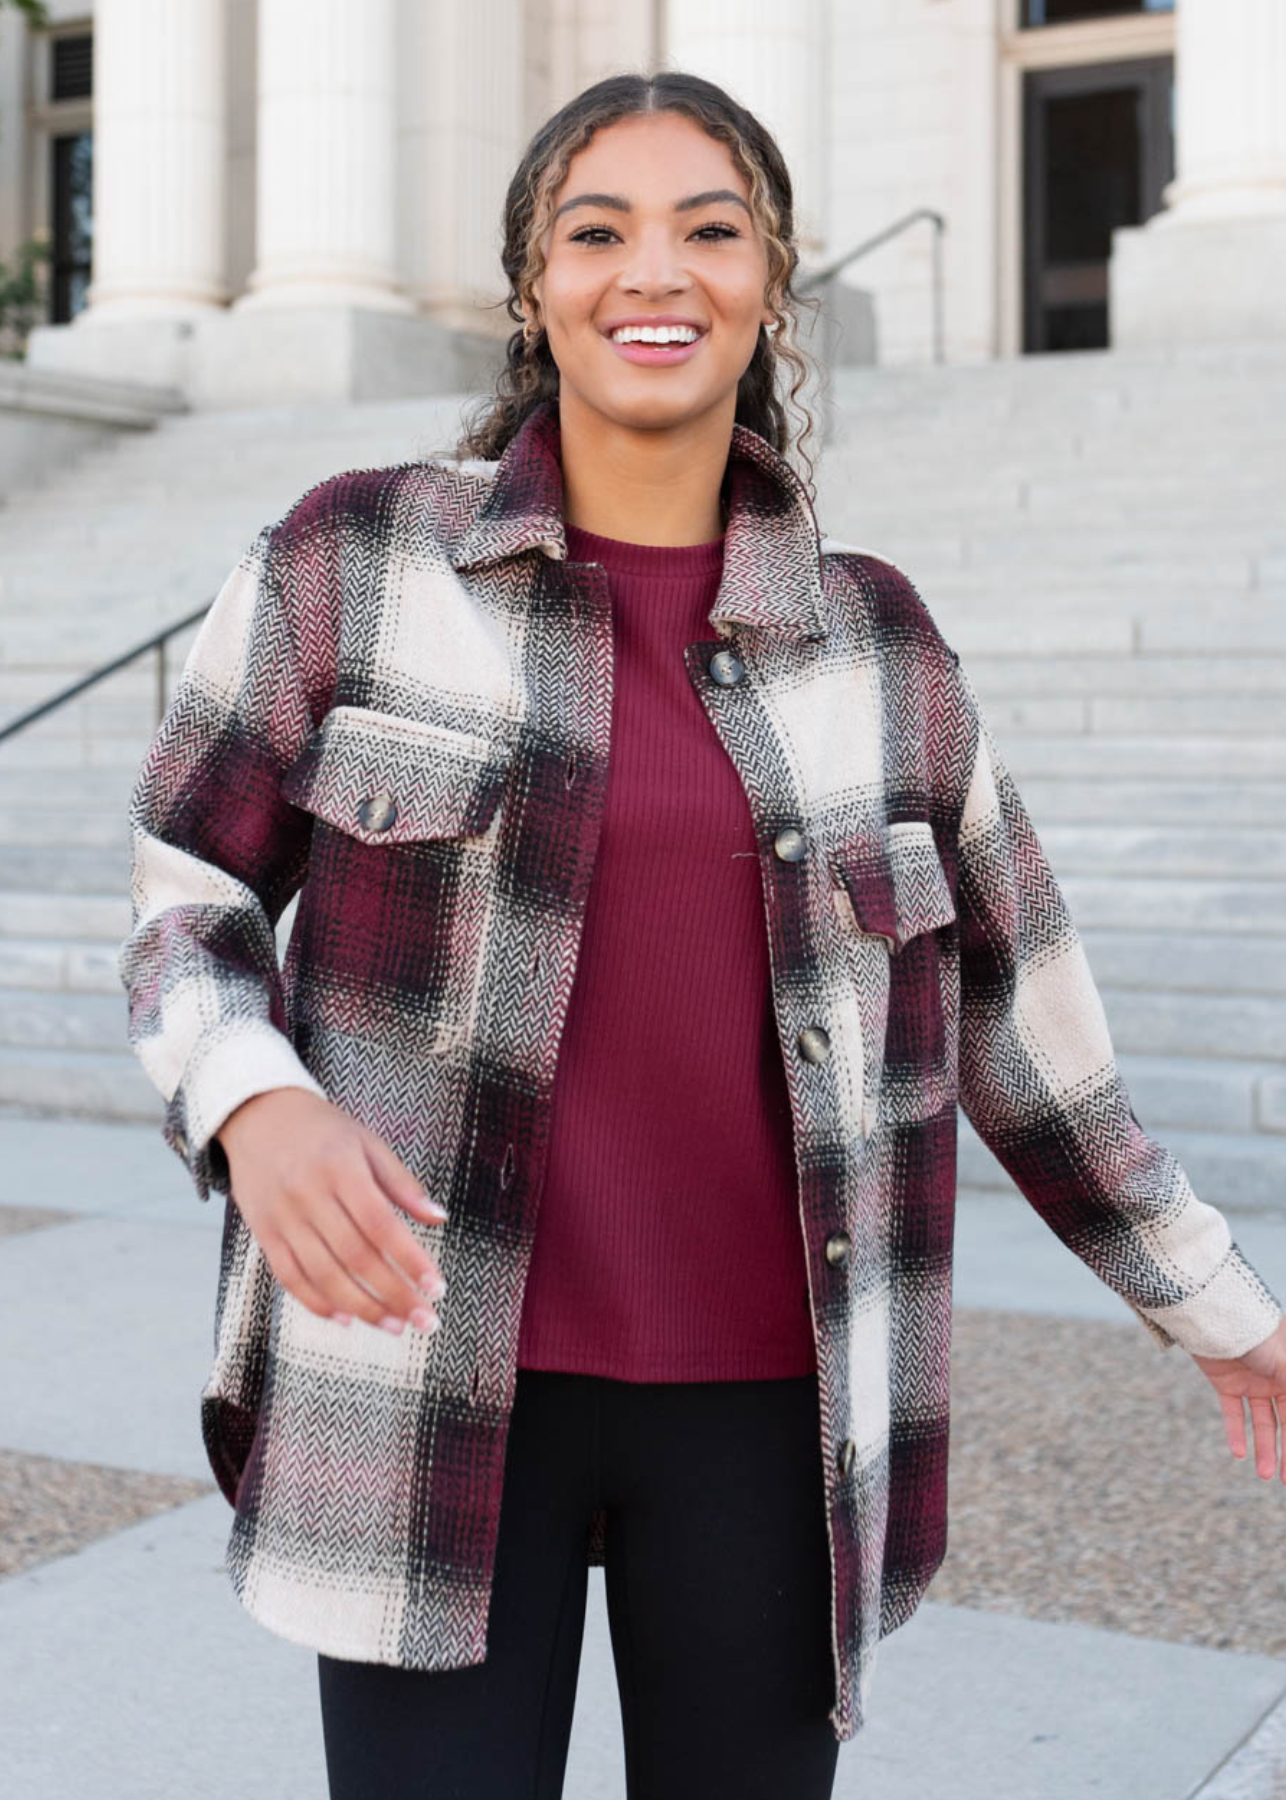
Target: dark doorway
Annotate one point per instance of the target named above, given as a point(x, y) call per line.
point(73, 224)
point(1098, 149)
point(1061, 12)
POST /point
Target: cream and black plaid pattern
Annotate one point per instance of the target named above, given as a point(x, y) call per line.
point(399, 707)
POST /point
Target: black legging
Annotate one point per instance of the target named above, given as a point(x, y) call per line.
point(718, 1593)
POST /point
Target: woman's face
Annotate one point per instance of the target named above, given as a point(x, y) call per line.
point(657, 227)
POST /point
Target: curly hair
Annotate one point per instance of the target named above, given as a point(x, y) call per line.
point(529, 374)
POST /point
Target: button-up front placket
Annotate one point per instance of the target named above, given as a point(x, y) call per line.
point(722, 676)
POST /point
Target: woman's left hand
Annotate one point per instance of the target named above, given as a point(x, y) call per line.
point(1259, 1376)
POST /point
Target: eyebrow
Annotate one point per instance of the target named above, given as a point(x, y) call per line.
point(618, 202)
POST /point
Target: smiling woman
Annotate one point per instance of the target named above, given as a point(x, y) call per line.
point(662, 897)
point(656, 236)
point(649, 247)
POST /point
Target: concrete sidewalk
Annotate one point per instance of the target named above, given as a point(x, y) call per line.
point(129, 1669)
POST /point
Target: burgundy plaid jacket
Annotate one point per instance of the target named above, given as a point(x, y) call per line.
point(398, 706)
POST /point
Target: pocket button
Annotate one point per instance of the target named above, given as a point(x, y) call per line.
point(377, 812)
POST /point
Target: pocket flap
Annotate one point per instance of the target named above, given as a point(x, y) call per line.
point(893, 883)
point(387, 779)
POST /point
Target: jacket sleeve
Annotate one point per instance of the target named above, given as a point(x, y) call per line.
point(216, 855)
point(1040, 1085)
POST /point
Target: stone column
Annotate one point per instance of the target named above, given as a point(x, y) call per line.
point(324, 157)
point(1231, 150)
point(770, 57)
point(159, 160)
point(462, 134)
point(1212, 263)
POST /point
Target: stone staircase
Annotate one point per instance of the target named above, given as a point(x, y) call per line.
point(1099, 535)
point(1102, 538)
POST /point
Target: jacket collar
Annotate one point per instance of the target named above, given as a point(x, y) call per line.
point(772, 574)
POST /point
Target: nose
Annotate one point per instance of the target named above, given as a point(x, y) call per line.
point(655, 268)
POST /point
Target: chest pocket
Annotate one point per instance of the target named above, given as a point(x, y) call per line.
point(386, 779)
point(892, 886)
point(388, 947)
point(892, 897)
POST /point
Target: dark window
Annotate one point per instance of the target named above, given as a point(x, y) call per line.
point(73, 169)
point(1062, 12)
point(71, 74)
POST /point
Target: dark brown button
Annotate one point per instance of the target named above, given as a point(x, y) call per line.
point(838, 1245)
point(814, 1044)
point(181, 1143)
point(377, 812)
point(790, 844)
point(847, 1456)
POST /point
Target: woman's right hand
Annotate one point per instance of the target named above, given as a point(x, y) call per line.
point(318, 1190)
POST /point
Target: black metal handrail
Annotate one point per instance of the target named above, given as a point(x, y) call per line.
point(817, 277)
point(157, 642)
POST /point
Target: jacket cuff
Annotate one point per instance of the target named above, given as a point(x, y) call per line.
point(1233, 1312)
point(225, 1068)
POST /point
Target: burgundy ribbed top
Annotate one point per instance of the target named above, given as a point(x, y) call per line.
point(668, 1242)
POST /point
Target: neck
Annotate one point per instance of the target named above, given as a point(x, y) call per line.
point(647, 487)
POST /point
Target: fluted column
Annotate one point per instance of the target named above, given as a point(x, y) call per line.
point(770, 57)
point(325, 156)
point(462, 135)
point(159, 160)
point(1231, 111)
point(1212, 263)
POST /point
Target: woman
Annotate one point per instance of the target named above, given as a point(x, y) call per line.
point(765, 947)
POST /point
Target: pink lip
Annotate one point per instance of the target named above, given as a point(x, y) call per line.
point(658, 354)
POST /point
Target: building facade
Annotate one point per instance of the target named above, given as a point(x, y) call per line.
point(248, 196)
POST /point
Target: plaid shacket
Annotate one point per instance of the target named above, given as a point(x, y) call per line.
point(398, 706)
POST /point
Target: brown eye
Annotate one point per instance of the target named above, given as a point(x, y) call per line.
point(588, 232)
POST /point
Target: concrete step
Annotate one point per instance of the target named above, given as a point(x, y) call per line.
point(1166, 850)
point(61, 789)
point(1179, 903)
point(1132, 676)
point(1083, 755)
point(54, 1020)
point(38, 750)
point(69, 965)
point(1194, 1093)
point(67, 868)
point(1163, 715)
point(1150, 957)
point(1250, 617)
point(1238, 1026)
point(39, 826)
point(89, 1084)
point(95, 917)
point(94, 717)
point(1158, 802)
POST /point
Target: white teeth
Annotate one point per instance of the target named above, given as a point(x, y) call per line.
point(655, 334)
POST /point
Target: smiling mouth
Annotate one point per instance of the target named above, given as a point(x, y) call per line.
point(637, 350)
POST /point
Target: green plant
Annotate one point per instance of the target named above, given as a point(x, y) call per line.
point(32, 10)
point(23, 295)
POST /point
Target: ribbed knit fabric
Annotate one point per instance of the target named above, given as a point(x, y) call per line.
point(668, 1242)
